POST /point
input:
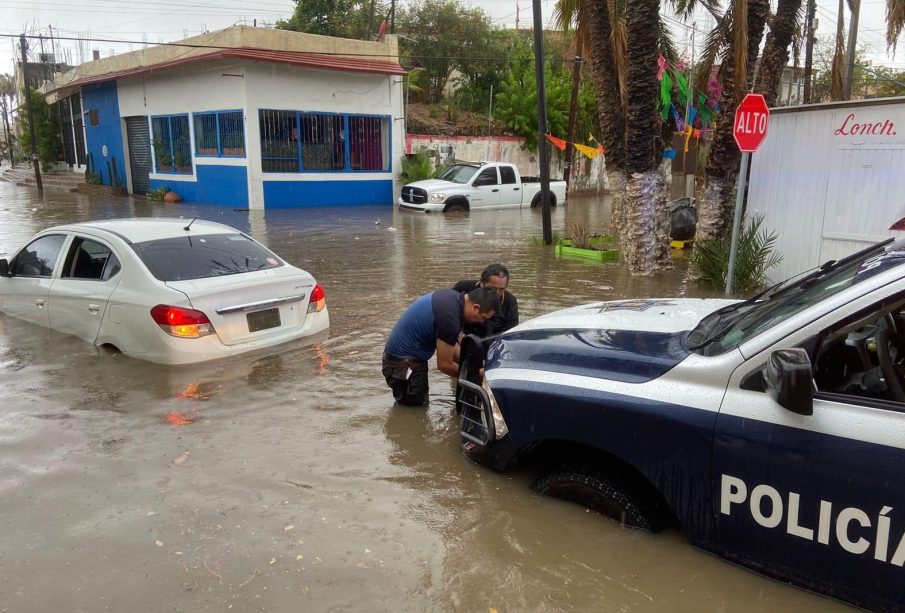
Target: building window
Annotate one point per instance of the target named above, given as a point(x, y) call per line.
point(279, 141)
point(321, 142)
point(369, 143)
point(220, 134)
point(172, 144)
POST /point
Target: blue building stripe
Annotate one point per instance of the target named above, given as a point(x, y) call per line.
point(298, 194)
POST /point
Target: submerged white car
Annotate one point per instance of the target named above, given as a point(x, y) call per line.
point(172, 291)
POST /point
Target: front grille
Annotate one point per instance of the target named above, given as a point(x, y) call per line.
point(414, 195)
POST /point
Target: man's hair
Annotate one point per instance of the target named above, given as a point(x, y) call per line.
point(494, 270)
point(486, 298)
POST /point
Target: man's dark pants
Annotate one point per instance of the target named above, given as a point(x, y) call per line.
point(407, 377)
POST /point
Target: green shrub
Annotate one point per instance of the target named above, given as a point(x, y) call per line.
point(579, 232)
point(157, 194)
point(756, 255)
point(416, 167)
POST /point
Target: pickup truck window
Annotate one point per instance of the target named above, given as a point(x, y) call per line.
point(487, 177)
point(457, 173)
point(507, 175)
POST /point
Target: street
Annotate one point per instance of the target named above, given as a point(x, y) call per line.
point(288, 480)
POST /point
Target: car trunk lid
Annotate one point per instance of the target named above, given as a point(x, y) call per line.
point(249, 306)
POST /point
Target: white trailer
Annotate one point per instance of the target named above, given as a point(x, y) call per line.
point(829, 179)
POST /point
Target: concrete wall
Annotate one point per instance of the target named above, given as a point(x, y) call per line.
point(279, 87)
point(829, 179)
point(251, 86)
point(588, 175)
point(104, 141)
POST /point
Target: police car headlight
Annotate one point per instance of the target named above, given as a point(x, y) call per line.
point(501, 428)
point(436, 197)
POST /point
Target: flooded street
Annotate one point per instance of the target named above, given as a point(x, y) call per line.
point(288, 481)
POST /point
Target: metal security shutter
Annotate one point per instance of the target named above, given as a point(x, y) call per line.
point(139, 136)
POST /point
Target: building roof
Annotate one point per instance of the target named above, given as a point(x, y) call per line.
point(242, 43)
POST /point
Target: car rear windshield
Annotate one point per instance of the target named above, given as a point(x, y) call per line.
point(203, 256)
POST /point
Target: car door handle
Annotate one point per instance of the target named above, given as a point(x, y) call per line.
point(94, 308)
point(515, 189)
point(40, 302)
point(494, 190)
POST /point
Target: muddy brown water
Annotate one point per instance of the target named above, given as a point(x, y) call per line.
point(288, 481)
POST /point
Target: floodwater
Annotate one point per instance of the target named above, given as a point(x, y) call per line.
point(289, 481)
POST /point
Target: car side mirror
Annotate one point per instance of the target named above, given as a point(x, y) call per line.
point(4, 268)
point(790, 380)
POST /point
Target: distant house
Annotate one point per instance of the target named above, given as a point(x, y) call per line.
point(246, 117)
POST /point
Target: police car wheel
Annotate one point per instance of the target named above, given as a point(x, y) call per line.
point(599, 494)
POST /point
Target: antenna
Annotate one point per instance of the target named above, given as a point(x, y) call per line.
point(190, 224)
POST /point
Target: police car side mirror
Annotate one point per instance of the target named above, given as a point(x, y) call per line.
point(790, 380)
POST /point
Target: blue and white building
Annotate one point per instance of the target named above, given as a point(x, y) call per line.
point(246, 117)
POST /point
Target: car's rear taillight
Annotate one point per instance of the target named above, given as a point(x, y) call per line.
point(181, 322)
point(318, 300)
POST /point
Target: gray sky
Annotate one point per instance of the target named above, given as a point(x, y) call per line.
point(168, 20)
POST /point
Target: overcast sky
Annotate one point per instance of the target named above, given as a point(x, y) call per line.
point(169, 20)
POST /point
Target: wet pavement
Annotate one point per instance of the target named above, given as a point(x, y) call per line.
point(288, 481)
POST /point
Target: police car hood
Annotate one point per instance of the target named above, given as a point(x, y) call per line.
point(627, 340)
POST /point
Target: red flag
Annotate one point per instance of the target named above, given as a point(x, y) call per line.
point(382, 30)
point(557, 142)
point(600, 149)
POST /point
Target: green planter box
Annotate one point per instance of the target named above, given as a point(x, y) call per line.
point(607, 255)
point(600, 239)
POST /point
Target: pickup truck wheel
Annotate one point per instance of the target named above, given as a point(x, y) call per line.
point(598, 493)
point(535, 203)
point(457, 206)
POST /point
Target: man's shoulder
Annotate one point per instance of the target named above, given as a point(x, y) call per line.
point(463, 287)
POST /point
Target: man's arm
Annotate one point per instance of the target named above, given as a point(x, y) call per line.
point(512, 314)
point(446, 358)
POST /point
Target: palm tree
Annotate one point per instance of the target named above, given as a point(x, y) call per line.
point(737, 39)
point(776, 51)
point(895, 21)
point(7, 93)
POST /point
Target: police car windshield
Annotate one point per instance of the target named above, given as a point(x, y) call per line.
point(733, 325)
point(457, 173)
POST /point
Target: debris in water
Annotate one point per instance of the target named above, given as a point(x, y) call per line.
point(176, 418)
point(182, 458)
point(479, 233)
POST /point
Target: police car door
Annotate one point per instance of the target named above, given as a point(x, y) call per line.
point(819, 500)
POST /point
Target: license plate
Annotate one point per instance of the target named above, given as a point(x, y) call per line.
point(262, 320)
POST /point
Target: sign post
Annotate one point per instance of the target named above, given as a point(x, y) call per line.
point(749, 128)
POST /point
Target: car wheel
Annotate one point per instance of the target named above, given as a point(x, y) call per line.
point(600, 494)
point(455, 208)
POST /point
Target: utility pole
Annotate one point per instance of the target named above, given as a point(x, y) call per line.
point(573, 112)
point(850, 52)
point(31, 116)
point(810, 28)
point(542, 122)
point(392, 16)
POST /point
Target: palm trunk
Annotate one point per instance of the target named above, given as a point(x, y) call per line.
point(776, 51)
point(715, 208)
point(609, 106)
point(645, 200)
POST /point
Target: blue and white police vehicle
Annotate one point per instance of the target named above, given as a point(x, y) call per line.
point(771, 429)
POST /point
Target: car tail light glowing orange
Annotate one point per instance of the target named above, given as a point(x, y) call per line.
point(318, 299)
point(181, 322)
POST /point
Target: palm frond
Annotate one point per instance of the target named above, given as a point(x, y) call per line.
point(715, 42)
point(740, 45)
point(686, 8)
point(895, 22)
point(565, 14)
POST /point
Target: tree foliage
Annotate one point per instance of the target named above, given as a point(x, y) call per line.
point(340, 18)
point(47, 131)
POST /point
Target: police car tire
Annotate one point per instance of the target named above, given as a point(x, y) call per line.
point(599, 494)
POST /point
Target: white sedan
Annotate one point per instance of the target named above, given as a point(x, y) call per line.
point(172, 291)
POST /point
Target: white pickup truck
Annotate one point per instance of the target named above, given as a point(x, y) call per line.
point(464, 186)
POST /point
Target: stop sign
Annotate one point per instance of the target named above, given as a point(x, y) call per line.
point(751, 120)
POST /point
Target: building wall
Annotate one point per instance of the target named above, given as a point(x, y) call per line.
point(211, 86)
point(280, 87)
point(589, 175)
point(104, 141)
point(828, 179)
